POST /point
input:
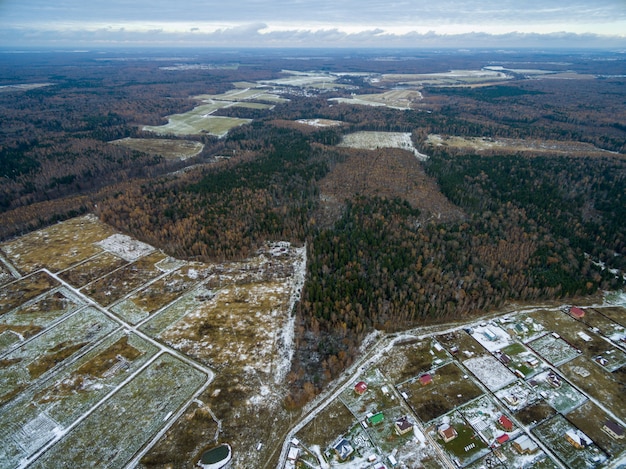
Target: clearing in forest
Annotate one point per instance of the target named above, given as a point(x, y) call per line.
point(168, 149)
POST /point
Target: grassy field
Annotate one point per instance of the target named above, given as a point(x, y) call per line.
point(167, 148)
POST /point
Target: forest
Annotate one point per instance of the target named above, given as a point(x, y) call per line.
point(392, 242)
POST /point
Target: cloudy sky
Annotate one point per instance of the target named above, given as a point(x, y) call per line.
point(319, 23)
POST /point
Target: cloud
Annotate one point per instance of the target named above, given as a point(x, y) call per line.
point(259, 34)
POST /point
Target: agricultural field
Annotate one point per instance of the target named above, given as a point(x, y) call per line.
point(367, 140)
point(169, 149)
point(394, 99)
point(451, 78)
point(510, 145)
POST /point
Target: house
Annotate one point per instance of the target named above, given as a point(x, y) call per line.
point(376, 418)
point(511, 399)
point(343, 449)
point(503, 438)
point(403, 425)
point(577, 313)
point(490, 335)
point(532, 362)
point(504, 358)
point(447, 432)
point(360, 387)
point(614, 429)
point(601, 360)
point(293, 453)
point(426, 379)
point(553, 380)
point(524, 445)
point(577, 439)
point(505, 423)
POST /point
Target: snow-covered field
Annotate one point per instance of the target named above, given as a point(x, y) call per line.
point(367, 140)
point(491, 337)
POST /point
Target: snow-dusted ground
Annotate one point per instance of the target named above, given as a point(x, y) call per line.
point(125, 247)
point(367, 140)
point(490, 372)
point(491, 337)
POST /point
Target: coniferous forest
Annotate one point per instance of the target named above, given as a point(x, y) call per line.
point(480, 229)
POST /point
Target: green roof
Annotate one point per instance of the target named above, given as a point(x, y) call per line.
point(376, 418)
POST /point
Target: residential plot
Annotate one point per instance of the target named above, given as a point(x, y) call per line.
point(553, 349)
point(485, 418)
point(59, 246)
point(517, 395)
point(570, 444)
point(520, 360)
point(410, 359)
point(526, 328)
point(33, 317)
point(489, 371)
point(603, 324)
point(491, 336)
point(598, 383)
point(126, 421)
point(591, 419)
point(458, 439)
point(557, 392)
point(535, 413)
point(49, 351)
point(449, 388)
point(43, 412)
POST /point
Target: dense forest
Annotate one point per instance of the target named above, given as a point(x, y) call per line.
point(392, 242)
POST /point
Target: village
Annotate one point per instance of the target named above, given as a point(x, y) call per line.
point(531, 388)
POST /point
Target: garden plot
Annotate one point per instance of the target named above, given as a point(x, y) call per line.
point(59, 246)
point(611, 360)
point(460, 343)
point(553, 434)
point(535, 413)
point(558, 393)
point(157, 294)
point(25, 289)
point(516, 396)
point(598, 383)
point(51, 350)
point(92, 269)
point(489, 371)
point(466, 447)
point(129, 419)
point(33, 317)
point(167, 148)
point(491, 336)
point(553, 349)
point(483, 414)
point(119, 283)
point(44, 411)
point(449, 388)
point(509, 458)
point(367, 140)
point(617, 313)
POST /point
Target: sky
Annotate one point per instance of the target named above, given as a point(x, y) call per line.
point(319, 23)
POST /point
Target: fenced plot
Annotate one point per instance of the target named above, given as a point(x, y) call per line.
point(44, 411)
point(493, 374)
point(553, 349)
point(25, 289)
point(33, 317)
point(92, 269)
point(122, 425)
point(51, 350)
point(553, 433)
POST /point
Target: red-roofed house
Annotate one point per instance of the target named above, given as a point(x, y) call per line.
point(505, 423)
point(502, 438)
point(426, 379)
point(447, 432)
point(577, 313)
point(360, 387)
